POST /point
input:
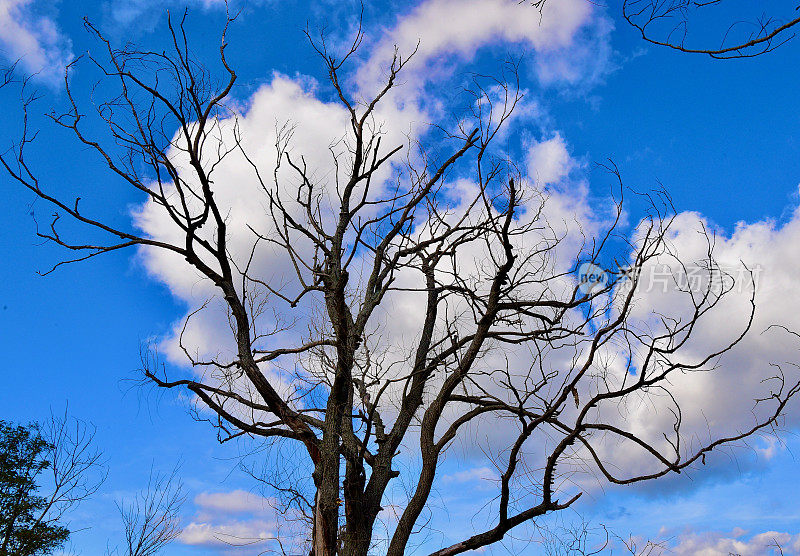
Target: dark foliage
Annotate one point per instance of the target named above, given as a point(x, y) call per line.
point(24, 529)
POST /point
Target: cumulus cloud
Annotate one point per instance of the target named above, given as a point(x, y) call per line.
point(722, 402)
point(33, 39)
point(229, 534)
point(548, 161)
point(444, 31)
point(317, 125)
point(283, 104)
point(233, 520)
point(736, 542)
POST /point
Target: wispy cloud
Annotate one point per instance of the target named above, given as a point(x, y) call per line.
point(33, 39)
point(570, 38)
point(236, 501)
point(130, 14)
point(476, 474)
point(735, 542)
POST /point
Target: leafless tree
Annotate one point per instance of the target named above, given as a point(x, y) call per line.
point(76, 470)
point(152, 518)
point(356, 409)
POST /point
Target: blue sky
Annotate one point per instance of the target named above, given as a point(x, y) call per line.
point(723, 137)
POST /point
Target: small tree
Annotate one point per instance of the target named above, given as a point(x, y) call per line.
point(152, 517)
point(44, 472)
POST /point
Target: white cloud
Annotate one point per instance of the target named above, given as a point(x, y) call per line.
point(448, 30)
point(548, 161)
point(230, 534)
point(231, 521)
point(722, 402)
point(318, 125)
point(476, 474)
point(145, 13)
point(569, 39)
point(235, 501)
point(721, 544)
point(33, 39)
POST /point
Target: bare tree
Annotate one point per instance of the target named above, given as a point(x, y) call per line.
point(354, 405)
point(76, 471)
point(152, 518)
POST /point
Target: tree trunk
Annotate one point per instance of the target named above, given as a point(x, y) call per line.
point(359, 513)
point(323, 537)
